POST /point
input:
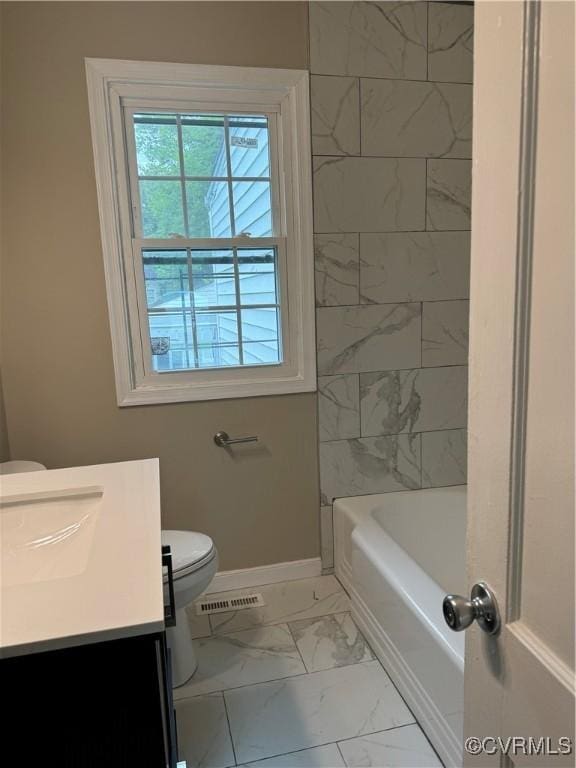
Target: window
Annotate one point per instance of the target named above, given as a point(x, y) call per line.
point(206, 177)
point(204, 190)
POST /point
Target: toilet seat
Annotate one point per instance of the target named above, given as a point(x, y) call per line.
point(190, 551)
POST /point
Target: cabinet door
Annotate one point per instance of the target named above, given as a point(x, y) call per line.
point(104, 704)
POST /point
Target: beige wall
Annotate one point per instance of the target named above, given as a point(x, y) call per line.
point(4, 446)
point(260, 507)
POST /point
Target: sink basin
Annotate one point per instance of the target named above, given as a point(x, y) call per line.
point(47, 535)
point(80, 556)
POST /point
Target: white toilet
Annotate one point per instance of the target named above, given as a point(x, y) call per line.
point(194, 563)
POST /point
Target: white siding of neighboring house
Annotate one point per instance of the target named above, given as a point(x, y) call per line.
point(252, 210)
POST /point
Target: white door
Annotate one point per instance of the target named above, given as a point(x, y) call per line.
point(521, 439)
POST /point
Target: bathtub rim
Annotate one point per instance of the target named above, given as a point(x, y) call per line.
point(360, 509)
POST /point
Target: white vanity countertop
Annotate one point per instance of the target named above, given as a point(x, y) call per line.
point(80, 556)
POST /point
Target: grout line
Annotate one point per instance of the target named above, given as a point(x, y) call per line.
point(359, 251)
point(360, 115)
point(389, 303)
point(396, 434)
point(286, 678)
point(426, 197)
point(350, 232)
point(229, 728)
point(382, 730)
point(392, 231)
point(348, 156)
point(421, 333)
point(296, 618)
point(421, 467)
point(295, 751)
point(222, 691)
point(296, 646)
point(428, 41)
point(336, 743)
point(394, 79)
point(399, 302)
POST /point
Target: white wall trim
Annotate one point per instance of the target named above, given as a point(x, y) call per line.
point(265, 574)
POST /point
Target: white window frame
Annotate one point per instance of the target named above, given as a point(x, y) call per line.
point(115, 85)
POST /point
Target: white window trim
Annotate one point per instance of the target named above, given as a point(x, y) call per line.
point(112, 83)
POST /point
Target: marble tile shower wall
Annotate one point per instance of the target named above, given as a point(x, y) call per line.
point(391, 91)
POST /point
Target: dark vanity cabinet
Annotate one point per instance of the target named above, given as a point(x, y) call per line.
point(93, 704)
point(101, 705)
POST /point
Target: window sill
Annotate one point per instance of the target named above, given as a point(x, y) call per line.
point(158, 395)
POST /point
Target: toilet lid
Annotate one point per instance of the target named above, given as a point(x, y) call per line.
point(188, 549)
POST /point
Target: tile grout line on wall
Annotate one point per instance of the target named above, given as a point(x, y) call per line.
point(393, 231)
point(428, 41)
point(398, 303)
point(360, 116)
point(392, 79)
point(421, 463)
point(422, 433)
point(393, 370)
point(358, 241)
point(332, 156)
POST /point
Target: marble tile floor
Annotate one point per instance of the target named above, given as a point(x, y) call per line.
point(293, 684)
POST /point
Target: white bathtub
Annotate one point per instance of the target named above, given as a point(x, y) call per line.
point(397, 555)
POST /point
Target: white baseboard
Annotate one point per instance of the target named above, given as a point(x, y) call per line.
point(265, 574)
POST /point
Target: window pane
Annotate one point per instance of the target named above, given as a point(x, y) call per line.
point(216, 328)
point(257, 276)
point(256, 260)
point(252, 208)
point(203, 145)
point(219, 356)
point(157, 145)
point(162, 212)
point(217, 334)
point(258, 288)
point(249, 153)
point(259, 324)
point(166, 279)
point(215, 291)
point(208, 263)
point(199, 300)
point(171, 340)
point(261, 353)
point(242, 171)
point(208, 209)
